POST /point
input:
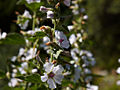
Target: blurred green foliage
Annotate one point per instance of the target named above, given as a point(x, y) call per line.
point(104, 25)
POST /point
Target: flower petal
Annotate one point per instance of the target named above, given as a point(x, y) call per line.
point(58, 78)
point(48, 67)
point(58, 69)
point(51, 83)
point(44, 78)
point(65, 44)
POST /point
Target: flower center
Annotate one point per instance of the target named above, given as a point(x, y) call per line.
point(61, 40)
point(51, 75)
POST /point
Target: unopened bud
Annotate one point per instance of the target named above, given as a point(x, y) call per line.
point(57, 5)
point(42, 27)
point(48, 43)
point(22, 32)
point(47, 59)
point(54, 61)
point(17, 13)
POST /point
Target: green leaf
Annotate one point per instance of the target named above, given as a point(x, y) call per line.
point(58, 53)
point(34, 6)
point(40, 34)
point(13, 38)
point(2, 74)
point(34, 78)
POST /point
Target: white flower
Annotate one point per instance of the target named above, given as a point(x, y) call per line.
point(53, 74)
point(74, 52)
point(119, 60)
point(3, 35)
point(50, 14)
point(118, 70)
point(13, 59)
point(118, 82)
point(92, 87)
point(13, 82)
point(26, 14)
point(44, 9)
point(70, 27)
point(72, 39)
point(85, 17)
point(34, 70)
point(67, 2)
point(32, 32)
point(61, 39)
point(77, 73)
point(31, 53)
point(21, 51)
point(22, 71)
point(24, 65)
point(87, 71)
point(24, 25)
point(32, 1)
point(45, 40)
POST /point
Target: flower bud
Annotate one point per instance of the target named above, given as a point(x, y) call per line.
point(50, 14)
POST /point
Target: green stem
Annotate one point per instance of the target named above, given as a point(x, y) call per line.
point(54, 29)
point(35, 44)
point(34, 16)
point(51, 55)
point(26, 87)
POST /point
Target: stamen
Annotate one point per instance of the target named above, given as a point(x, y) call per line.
point(61, 40)
point(51, 75)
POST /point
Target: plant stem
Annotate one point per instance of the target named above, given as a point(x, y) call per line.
point(53, 34)
point(34, 16)
point(26, 87)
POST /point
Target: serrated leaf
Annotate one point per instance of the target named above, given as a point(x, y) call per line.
point(13, 38)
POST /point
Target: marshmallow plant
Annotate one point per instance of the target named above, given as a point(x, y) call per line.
point(54, 54)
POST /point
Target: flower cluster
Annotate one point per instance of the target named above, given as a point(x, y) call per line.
point(53, 51)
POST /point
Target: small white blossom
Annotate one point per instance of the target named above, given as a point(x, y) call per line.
point(77, 73)
point(85, 17)
point(3, 35)
point(72, 39)
point(53, 74)
point(118, 82)
point(31, 53)
point(26, 14)
point(70, 27)
point(21, 51)
point(22, 71)
point(67, 2)
point(13, 82)
point(119, 60)
point(24, 25)
point(13, 59)
point(34, 70)
point(50, 14)
point(92, 87)
point(118, 70)
point(44, 9)
point(61, 39)
point(32, 1)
